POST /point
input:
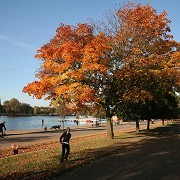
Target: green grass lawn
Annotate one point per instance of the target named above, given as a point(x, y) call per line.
point(45, 163)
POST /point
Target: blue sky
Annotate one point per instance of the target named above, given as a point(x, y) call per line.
point(26, 25)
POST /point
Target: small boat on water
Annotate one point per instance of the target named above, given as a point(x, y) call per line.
point(88, 120)
point(82, 120)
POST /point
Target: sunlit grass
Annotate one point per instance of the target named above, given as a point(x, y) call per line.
point(44, 163)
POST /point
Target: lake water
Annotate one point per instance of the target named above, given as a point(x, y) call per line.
point(35, 122)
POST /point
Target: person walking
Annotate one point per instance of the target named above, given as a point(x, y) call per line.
point(64, 140)
point(2, 125)
point(42, 123)
point(77, 122)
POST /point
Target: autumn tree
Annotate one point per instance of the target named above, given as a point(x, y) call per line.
point(74, 70)
point(123, 61)
point(145, 55)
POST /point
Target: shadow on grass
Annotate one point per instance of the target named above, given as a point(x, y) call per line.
point(167, 130)
point(154, 158)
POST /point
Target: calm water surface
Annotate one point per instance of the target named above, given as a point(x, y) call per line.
point(35, 122)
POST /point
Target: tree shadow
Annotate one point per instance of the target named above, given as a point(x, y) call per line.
point(150, 158)
point(168, 130)
point(157, 157)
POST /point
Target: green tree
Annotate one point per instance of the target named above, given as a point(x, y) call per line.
point(1, 108)
point(15, 105)
point(35, 111)
point(12, 106)
point(7, 107)
point(163, 106)
point(26, 109)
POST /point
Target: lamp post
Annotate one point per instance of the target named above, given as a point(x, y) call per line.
point(63, 120)
point(61, 112)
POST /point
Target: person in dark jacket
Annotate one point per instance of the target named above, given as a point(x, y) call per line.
point(64, 140)
point(2, 125)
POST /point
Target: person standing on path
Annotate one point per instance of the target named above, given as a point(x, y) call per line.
point(77, 122)
point(2, 125)
point(42, 123)
point(64, 140)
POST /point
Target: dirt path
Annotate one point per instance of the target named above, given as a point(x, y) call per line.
point(156, 157)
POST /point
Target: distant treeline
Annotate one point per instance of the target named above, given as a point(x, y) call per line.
point(165, 107)
point(15, 107)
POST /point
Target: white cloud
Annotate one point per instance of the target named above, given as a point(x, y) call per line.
point(4, 66)
point(16, 42)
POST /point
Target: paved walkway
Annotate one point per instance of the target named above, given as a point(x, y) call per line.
point(28, 137)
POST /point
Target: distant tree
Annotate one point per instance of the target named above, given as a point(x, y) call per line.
point(2, 109)
point(46, 110)
point(26, 109)
point(60, 110)
point(7, 107)
point(15, 105)
point(12, 106)
point(35, 111)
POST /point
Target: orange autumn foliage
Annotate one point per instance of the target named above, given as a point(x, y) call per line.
point(80, 67)
point(68, 57)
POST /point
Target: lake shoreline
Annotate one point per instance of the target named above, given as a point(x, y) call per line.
point(35, 122)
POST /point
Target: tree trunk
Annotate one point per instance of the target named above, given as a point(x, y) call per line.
point(137, 126)
point(148, 124)
point(162, 121)
point(110, 133)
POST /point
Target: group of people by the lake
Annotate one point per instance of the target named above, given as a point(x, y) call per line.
point(64, 140)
